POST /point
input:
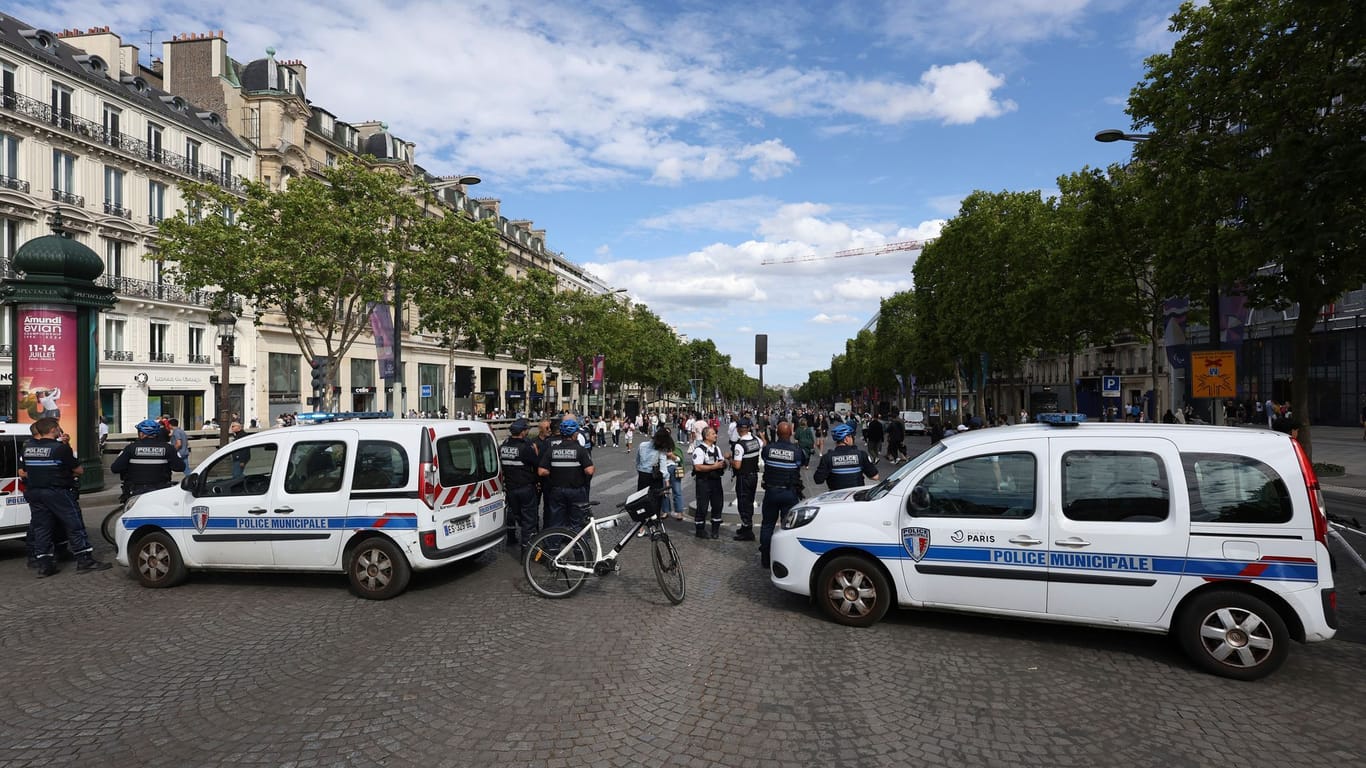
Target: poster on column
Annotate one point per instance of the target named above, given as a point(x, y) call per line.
point(46, 356)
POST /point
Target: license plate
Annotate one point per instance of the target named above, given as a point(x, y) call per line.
point(459, 524)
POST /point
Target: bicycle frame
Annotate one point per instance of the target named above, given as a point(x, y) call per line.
point(593, 524)
point(1335, 530)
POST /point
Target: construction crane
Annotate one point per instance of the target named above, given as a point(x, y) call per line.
point(876, 250)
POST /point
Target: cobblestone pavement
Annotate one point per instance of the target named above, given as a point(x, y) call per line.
point(469, 668)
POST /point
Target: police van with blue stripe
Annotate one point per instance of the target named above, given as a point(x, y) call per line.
point(1217, 535)
point(375, 499)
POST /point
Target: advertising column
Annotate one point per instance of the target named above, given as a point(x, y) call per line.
point(45, 357)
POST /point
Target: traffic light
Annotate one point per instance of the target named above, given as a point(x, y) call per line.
point(319, 364)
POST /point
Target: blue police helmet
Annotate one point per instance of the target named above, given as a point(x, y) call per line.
point(568, 427)
point(841, 431)
point(148, 427)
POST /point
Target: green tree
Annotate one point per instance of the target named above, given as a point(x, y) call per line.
point(317, 253)
point(458, 282)
point(1257, 122)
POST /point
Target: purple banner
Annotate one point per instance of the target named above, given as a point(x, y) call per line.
point(45, 355)
point(382, 328)
point(1174, 331)
point(598, 362)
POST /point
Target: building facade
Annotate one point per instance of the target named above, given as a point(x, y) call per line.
point(86, 129)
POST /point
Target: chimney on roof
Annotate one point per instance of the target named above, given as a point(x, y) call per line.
point(97, 41)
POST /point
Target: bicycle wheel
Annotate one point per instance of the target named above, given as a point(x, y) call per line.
point(109, 527)
point(668, 568)
point(548, 579)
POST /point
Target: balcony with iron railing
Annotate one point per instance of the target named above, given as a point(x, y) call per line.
point(68, 198)
point(200, 360)
point(161, 357)
point(89, 129)
point(120, 355)
point(113, 209)
point(6, 350)
point(9, 182)
point(148, 289)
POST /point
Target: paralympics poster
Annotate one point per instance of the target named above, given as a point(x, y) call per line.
point(46, 355)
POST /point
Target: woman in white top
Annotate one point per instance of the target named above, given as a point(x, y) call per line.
point(616, 432)
point(629, 432)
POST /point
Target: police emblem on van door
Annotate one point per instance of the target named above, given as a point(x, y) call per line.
point(200, 516)
point(916, 541)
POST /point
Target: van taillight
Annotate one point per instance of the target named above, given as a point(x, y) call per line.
point(427, 485)
point(429, 539)
point(1311, 486)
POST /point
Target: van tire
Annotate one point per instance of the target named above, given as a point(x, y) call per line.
point(377, 569)
point(857, 577)
point(1233, 634)
point(155, 561)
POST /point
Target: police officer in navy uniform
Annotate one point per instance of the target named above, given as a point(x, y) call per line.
point(783, 462)
point(744, 459)
point(520, 461)
point(50, 470)
point(146, 464)
point(565, 469)
point(844, 465)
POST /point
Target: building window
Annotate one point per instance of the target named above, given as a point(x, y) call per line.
point(284, 374)
point(192, 156)
point(9, 238)
point(111, 124)
point(114, 340)
point(154, 141)
point(8, 74)
point(113, 258)
point(197, 346)
point(9, 158)
point(113, 190)
point(61, 106)
point(225, 168)
point(157, 350)
point(331, 159)
point(431, 378)
point(63, 172)
point(362, 373)
point(156, 202)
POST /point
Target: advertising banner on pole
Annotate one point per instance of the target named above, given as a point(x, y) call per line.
point(382, 328)
point(598, 361)
point(46, 350)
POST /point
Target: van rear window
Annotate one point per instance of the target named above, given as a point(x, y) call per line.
point(1227, 488)
point(466, 459)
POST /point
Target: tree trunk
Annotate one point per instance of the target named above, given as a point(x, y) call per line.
point(1299, 375)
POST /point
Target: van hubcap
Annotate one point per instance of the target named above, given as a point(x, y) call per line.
point(1236, 637)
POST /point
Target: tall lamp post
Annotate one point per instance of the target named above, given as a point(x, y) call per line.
point(226, 321)
point(444, 182)
point(546, 396)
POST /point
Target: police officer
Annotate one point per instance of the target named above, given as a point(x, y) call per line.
point(565, 468)
point(708, 465)
point(544, 434)
point(520, 461)
point(50, 470)
point(744, 459)
point(146, 464)
point(783, 462)
point(842, 465)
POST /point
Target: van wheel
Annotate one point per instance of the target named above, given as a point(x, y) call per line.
point(377, 569)
point(1233, 634)
point(156, 563)
point(852, 591)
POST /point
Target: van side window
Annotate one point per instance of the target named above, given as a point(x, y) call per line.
point(466, 459)
point(316, 466)
point(243, 472)
point(1115, 487)
point(1001, 485)
point(380, 464)
point(1225, 488)
point(9, 456)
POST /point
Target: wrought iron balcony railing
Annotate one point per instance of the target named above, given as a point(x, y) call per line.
point(128, 286)
point(161, 357)
point(9, 182)
point(117, 210)
point(199, 359)
point(118, 354)
point(68, 198)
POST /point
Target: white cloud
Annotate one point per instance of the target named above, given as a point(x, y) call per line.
point(603, 251)
point(824, 319)
point(771, 159)
point(954, 94)
point(735, 215)
point(981, 24)
point(1152, 35)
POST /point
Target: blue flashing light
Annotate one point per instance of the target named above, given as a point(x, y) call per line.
point(1061, 419)
point(329, 417)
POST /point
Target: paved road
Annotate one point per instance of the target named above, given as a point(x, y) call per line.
point(469, 668)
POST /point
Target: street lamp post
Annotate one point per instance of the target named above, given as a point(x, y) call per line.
point(227, 328)
point(546, 400)
point(444, 182)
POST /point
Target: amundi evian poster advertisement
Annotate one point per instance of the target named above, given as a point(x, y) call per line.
point(46, 353)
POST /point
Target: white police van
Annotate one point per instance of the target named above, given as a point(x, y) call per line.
point(1214, 534)
point(14, 512)
point(375, 499)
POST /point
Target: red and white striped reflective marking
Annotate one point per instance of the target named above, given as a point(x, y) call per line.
point(468, 494)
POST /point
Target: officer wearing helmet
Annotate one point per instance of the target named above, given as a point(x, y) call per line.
point(565, 469)
point(744, 459)
point(520, 461)
point(844, 465)
point(146, 464)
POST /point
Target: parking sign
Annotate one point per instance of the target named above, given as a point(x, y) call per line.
point(426, 390)
point(1109, 386)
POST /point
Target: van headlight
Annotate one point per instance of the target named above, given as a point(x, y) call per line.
point(799, 516)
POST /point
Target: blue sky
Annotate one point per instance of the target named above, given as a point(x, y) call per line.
point(673, 147)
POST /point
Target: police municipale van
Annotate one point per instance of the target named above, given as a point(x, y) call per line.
point(375, 499)
point(1216, 535)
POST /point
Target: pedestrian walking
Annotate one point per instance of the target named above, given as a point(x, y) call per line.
point(783, 460)
point(181, 442)
point(896, 440)
point(844, 465)
point(708, 466)
point(50, 471)
point(565, 469)
point(520, 461)
point(744, 459)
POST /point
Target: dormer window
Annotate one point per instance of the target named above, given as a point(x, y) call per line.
point(174, 102)
point(136, 83)
point(208, 117)
point(38, 38)
point(92, 63)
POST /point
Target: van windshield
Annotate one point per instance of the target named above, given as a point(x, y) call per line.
point(889, 482)
point(466, 459)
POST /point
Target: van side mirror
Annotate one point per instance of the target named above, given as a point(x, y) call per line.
point(920, 498)
point(189, 482)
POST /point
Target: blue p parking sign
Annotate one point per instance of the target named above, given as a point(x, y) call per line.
point(1109, 386)
point(426, 390)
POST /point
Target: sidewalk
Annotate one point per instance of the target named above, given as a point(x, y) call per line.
point(1342, 446)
